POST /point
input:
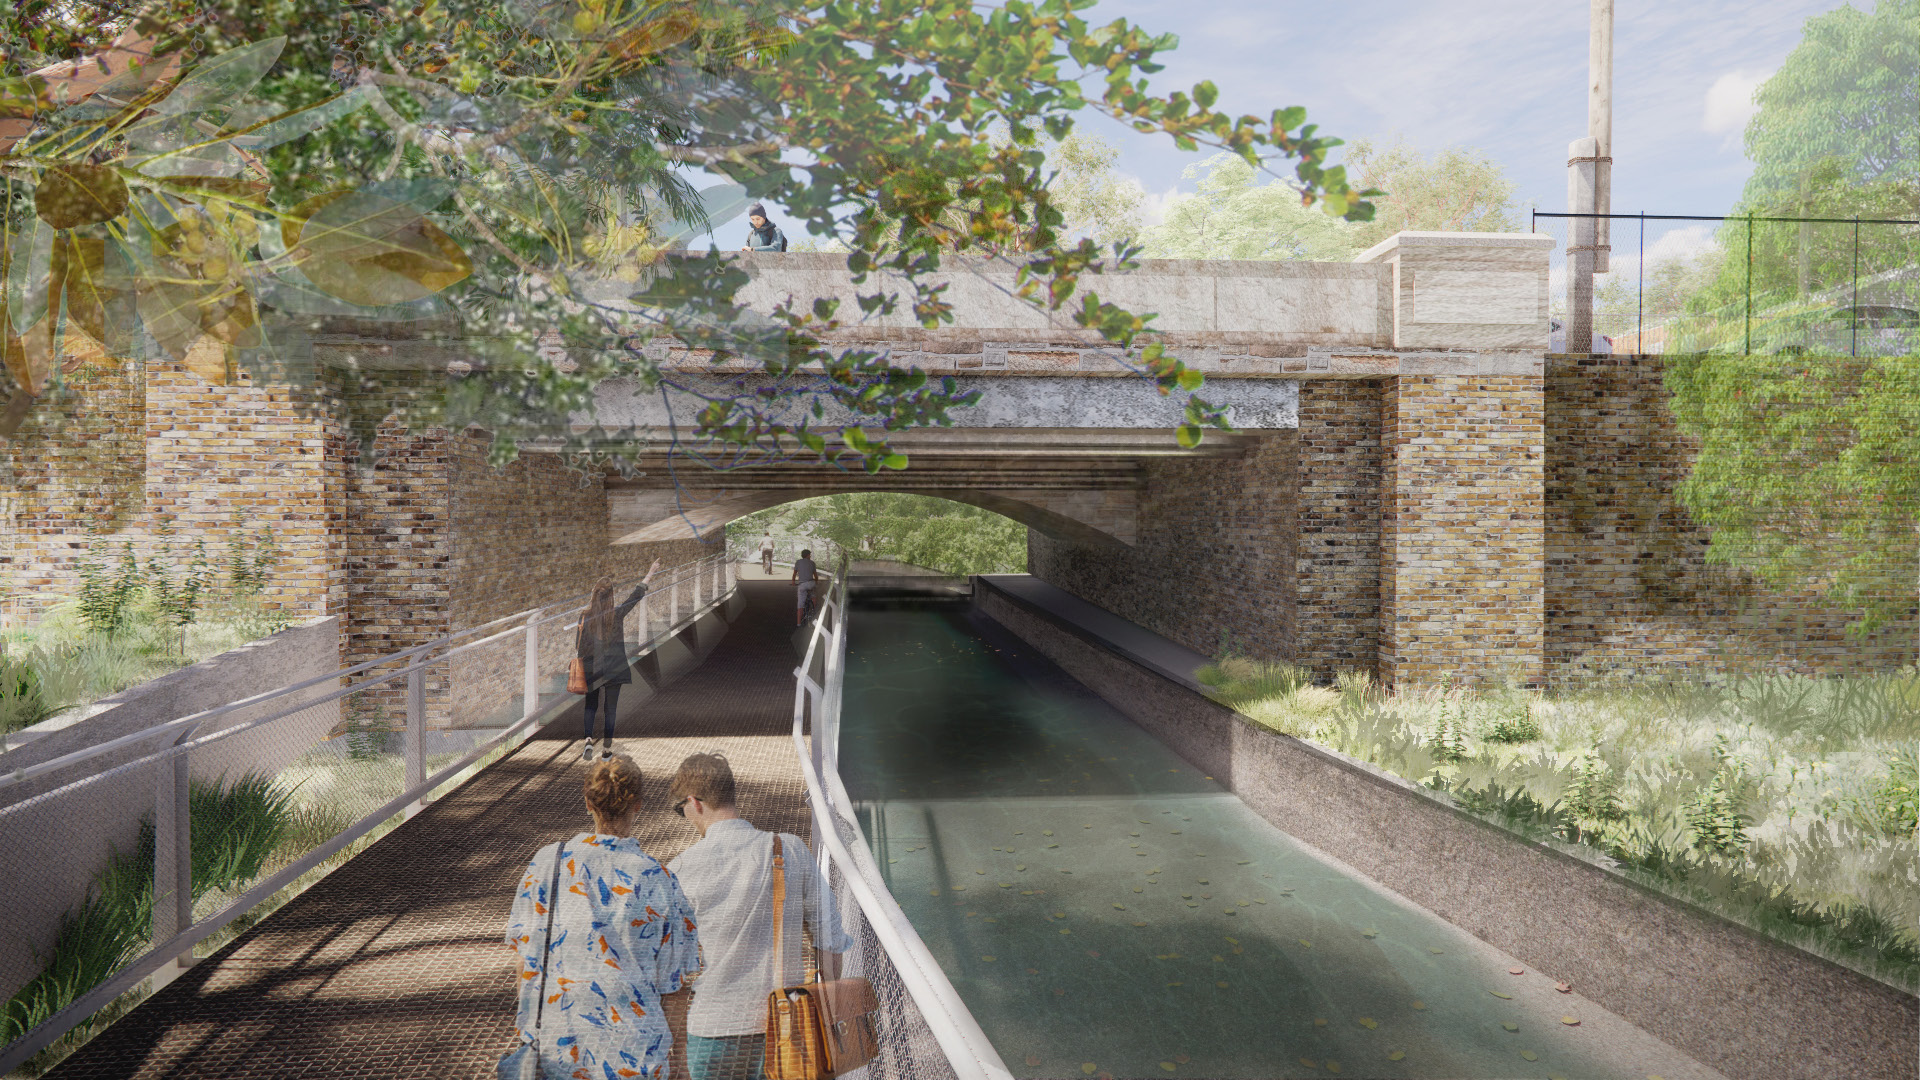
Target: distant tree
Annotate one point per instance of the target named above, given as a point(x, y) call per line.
point(1849, 92)
point(1458, 189)
point(950, 537)
point(1095, 202)
point(1234, 216)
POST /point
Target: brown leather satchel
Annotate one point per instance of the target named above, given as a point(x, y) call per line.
point(577, 668)
point(820, 1029)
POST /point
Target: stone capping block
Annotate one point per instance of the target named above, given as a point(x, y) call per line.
point(1736, 1001)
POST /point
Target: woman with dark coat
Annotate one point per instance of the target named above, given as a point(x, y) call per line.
point(601, 645)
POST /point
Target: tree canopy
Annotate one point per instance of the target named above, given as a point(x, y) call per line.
point(950, 537)
point(236, 171)
point(1848, 93)
point(1234, 215)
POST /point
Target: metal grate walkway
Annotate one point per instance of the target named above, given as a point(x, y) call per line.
point(393, 965)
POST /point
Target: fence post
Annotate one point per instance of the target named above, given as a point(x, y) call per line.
point(530, 690)
point(416, 758)
point(173, 849)
point(673, 608)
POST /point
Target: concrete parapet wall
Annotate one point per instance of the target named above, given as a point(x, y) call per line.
point(1743, 1004)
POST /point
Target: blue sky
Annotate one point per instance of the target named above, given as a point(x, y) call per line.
point(1504, 76)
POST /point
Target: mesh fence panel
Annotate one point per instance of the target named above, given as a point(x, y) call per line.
point(1820, 288)
point(908, 1049)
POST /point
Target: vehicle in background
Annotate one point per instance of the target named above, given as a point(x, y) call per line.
point(1855, 330)
point(1557, 341)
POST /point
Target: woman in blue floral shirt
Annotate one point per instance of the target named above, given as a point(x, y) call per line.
point(623, 935)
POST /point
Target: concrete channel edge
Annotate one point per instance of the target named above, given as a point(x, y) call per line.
point(1735, 1000)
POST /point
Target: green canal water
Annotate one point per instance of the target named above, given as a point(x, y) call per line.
point(1106, 910)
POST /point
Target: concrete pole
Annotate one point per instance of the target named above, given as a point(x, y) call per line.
point(1582, 158)
point(1600, 121)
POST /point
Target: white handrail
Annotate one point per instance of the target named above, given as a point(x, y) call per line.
point(178, 940)
point(966, 1046)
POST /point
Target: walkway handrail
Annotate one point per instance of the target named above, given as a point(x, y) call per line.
point(961, 1039)
point(684, 572)
point(175, 935)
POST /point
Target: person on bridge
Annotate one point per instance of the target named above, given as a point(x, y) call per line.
point(601, 645)
point(765, 235)
point(728, 875)
point(623, 934)
point(804, 576)
point(766, 553)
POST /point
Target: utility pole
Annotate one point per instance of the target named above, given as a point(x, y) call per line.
point(1590, 181)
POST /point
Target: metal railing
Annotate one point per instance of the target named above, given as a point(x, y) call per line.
point(263, 733)
point(1825, 286)
point(916, 997)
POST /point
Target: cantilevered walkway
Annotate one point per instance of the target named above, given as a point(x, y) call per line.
point(393, 965)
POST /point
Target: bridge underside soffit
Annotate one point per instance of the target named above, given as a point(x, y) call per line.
point(1081, 486)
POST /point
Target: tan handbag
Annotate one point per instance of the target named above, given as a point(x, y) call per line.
point(577, 668)
point(820, 1029)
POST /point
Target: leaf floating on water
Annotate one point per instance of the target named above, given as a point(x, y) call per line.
point(1563, 988)
point(981, 872)
point(1368, 1022)
point(1139, 924)
point(1369, 933)
point(1049, 832)
point(1304, 943)
point(1033, 971)
point(1435, 951)
point(1228, 911)
point(1333, 1066)
point(1022, 866)
point(1570, 1021)
point(1057, 992)
point(1059, 914)
point(1396, 1055)
point(1119, 907)
point(1089, 1068)
point(1066, 931)
point(1231, 941)
point(1244, 862)
point(1026, 892)
point(1530, 1055)
point(1133, 834)
point(1053, 845)
point(1176, 832)
point(1259, 901)
point(1005, 884)
point(1182, 1058)
point(1192, 905)
point(1319, 1021)
point(1033, 1059)
point(1139, 890)
point(1419, 1006)
point(1309, 1063)
point(1511, 1026)
point(1516, 971)
point(1501, 996)
point(1201, 881)
point(1168, 1066)
point(1222, 984)
point(933, 892)
point(988, 959)
point(1143, 821)
point(893, 860)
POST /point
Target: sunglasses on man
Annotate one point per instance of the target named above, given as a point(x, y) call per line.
point(680, 808)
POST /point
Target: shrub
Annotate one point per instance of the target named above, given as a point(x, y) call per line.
point(1717, 814)
point(235, 827)
point(1894, 806)
point(1449, 734)
point(1594, 794)
point(1511, 721)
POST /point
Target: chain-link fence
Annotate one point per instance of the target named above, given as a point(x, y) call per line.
point(1752, 284)
point(121, 859)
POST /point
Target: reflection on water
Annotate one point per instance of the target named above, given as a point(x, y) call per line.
point(1104, 909)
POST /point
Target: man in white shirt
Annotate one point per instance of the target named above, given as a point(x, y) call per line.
point(728, 875)
point(766, 553)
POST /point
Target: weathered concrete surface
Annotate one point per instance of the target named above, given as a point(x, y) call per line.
point(1745, 1005)
point(1483, 291)
point(1129, 404)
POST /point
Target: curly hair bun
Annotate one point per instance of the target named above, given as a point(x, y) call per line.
point(613, 786)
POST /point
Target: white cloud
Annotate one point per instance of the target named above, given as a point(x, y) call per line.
point(1153, 208)
point(1729, 103)
point(1682, 244)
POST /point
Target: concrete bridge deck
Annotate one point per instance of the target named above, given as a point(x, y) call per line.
point(392, 965)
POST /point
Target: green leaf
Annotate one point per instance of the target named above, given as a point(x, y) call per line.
point(1188, 435)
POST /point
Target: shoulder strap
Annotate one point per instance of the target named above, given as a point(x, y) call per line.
point(546, 947)
point(779, 908)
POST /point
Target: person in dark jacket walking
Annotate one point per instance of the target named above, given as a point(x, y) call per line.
point(765, 235)
point(601, 645)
